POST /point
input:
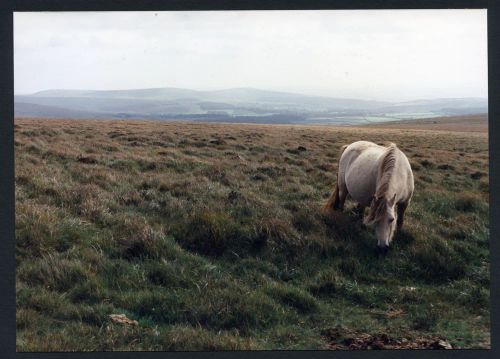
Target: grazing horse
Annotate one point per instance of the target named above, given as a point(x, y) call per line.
point(375, 176)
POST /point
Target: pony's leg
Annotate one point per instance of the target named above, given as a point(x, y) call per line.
point(401, 212)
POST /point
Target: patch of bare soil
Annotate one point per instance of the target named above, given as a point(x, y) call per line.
point(342, 339)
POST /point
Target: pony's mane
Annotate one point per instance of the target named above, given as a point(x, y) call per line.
point(386, 168)
point(385, 171)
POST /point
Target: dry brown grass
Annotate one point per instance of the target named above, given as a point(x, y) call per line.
point(466, 123)
point(211, 237)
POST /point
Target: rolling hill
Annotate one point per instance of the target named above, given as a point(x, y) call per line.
point(233, 105)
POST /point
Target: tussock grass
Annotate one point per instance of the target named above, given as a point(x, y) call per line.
point(212, 238)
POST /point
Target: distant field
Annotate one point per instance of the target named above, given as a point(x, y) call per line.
point(211, 237)
point(231, 105)
point(466, 123)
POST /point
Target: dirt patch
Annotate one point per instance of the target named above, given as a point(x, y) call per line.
point(342, 339)
point(87, 160)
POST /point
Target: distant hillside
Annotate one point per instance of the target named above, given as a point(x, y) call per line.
point(450, 105)
point(238, 96)
point(33, 110)
point(238, 105)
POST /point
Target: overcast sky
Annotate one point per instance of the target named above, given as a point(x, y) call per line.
point(377, 54)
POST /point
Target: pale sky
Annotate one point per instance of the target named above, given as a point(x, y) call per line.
point(366, 54)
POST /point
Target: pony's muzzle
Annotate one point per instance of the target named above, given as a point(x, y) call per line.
point(383, 249)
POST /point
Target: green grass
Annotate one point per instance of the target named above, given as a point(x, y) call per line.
point(212, 238)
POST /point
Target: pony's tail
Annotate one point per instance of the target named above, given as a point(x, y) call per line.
point(333, 201)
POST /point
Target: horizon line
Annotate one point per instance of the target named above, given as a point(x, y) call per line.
point(251, 88)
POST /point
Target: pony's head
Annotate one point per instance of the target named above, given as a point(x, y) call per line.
point(382, 214)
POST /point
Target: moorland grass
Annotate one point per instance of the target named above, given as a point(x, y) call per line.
point(212, 238)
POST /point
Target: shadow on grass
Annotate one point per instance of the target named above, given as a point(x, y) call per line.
point(403, 238)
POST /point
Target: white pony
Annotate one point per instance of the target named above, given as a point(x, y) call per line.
point(375, 176)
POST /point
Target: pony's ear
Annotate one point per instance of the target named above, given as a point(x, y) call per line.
point(376, 201)
point(391, 202)
point(368, 221)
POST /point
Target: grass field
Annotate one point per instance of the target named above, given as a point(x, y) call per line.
point(210, 236)
point(464, 123)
